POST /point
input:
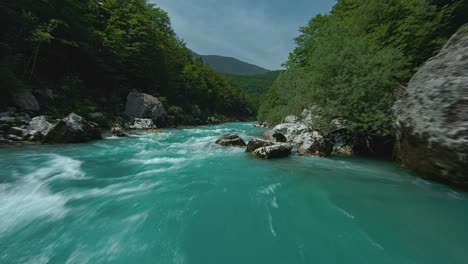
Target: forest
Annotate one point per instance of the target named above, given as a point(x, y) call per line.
point(91, 53)
point(353, 62)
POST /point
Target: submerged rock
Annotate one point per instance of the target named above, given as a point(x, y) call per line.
point(231, 140)
point(274, 151)
point(432, 116)
point(73, 129)
point(257, 143)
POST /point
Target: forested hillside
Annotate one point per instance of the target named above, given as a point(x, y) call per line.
point(88, 54)
point(228, 65)
point(352, 62)
point(257, 85)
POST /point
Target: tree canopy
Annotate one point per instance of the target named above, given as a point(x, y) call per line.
point(98, 50)
point(351, 62)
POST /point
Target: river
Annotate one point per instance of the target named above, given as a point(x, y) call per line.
point(176, 197)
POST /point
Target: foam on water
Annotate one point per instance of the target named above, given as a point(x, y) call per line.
point(177, 197)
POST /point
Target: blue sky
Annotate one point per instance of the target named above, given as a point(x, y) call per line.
point(261, 32)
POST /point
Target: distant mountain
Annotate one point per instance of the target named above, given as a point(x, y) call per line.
point(230, 65)
point(257, 85)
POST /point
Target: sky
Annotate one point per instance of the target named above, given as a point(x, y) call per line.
point(260, 32)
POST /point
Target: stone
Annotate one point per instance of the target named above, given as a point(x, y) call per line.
point(274, 151)
point(25, 100)
point(279, 137)
point(41, 124)
point(142, 123)
point(257, 143)
point(231, 140)
point(118, 132)
point(291, 119)
point(292, 131)
point(319, 147)
point(432, 116)
point(141, 105)
point(17, 131)
point(73, 129)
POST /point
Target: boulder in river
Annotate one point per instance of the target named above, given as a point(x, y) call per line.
point(257, 143)
point(274, 151)
point(432, 116)
point(73, 129)
point(231, 140)
point(141, 105)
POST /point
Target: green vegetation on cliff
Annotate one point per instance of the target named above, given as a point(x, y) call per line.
point(352, 61)
point(99, 50)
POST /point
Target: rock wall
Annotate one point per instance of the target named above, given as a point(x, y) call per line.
point(432, 116)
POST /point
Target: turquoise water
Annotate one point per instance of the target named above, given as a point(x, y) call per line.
point(176, 197)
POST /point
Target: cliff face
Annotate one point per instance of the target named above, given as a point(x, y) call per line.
point(432, 116)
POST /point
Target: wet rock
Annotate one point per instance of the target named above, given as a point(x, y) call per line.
point(432, 116)
point(142, 123)
point(274, 151)
point(257, 143)
point(231, 140)
point(73, 129)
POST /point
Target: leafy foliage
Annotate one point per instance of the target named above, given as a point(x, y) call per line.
point(111, 47)
point(350, 62)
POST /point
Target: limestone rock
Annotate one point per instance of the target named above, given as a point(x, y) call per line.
point(274, 151)
point(432, 116)
point(141, 105)
point(142, 123)
point(257, 143)
point(231, 140)
point(73, 129)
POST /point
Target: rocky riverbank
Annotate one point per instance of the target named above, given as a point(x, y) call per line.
point(24, 124)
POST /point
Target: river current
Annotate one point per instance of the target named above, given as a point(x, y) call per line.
point(176, 197)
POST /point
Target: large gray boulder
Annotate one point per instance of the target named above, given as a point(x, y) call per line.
point(273, 152)
point(25, 100)
point(141, 105)
point(231, 140)
point(73, 129)
point(292, 131)
point(432, 116)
